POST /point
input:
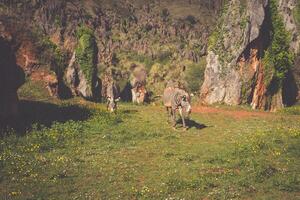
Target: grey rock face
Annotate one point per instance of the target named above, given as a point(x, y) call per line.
point(223, 82)
point(286, 8)
point(138, 84)
point(235, 72)
point(77, 81)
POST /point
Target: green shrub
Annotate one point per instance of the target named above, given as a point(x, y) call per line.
point(148, 61)
point(164, 57)
point(278, 60)
point(296, 13)
point(86, 52)
point(83, 30)
point(214, 39)
point(191, 19)
point(194, 75)
point(52, 54)
point(165, 14)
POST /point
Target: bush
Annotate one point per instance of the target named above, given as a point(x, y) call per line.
point(191, 19)
point(296, 13)
point(86, 52)
point(83, 30)
point(164, 56)
point(52, 54)
point(165, 14)
point(148, 61)
point(278, 60)
point(194, 75)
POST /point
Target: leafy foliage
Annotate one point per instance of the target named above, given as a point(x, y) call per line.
point(86, 52)
point(83, 30)
point(194, 75)
point(214, 43)
point(296, 13)
point(191, 20)
point(51, 53)
point(278, 60)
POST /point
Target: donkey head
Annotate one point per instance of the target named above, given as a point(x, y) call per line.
point(185, 103)
point(112, 104)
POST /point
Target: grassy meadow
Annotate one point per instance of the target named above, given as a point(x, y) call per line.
point(76, 150)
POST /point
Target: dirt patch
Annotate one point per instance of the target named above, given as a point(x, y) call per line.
point(237, 114)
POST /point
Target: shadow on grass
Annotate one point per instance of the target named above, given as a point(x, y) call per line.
point(193, 124)
point(128, 111)
point(42, 114)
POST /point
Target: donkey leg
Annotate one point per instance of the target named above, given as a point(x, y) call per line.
point(182, 117)
point(168, 114)
point(107, 106)
point(174, 117)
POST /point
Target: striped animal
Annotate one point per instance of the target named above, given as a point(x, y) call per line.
point(111, 92)
point(177, 99)
point(112, 97)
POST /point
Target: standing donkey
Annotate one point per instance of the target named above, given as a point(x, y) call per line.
point(177, 99)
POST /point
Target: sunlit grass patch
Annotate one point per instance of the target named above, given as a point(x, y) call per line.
point(135, 154)
point(34, 90)
point(294, 110)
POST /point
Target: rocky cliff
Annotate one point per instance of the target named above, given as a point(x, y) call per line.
point(247, 48)
point(251, 55)
point(68, 44)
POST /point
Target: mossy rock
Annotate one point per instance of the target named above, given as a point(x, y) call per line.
point(86, 54)
point(278, 60)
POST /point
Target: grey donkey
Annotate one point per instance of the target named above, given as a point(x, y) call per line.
point(177, 99)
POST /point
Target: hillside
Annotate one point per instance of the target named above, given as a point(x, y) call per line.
point(252, 55)
point(167, 38)
point(82, 115)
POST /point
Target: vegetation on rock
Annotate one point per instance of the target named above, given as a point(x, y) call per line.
point(57, 57)
point(194, 75)
point(86, 52)
point(296, 13)
point(278, 60)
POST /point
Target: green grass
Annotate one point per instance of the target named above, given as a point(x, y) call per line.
point(135, 154)
point(294, 110)
point(34, 90)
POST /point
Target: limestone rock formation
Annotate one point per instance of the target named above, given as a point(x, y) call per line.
point(236, 71)
point(132, 31)
point(138, 84)
point(77, 80)
point(222, 78)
